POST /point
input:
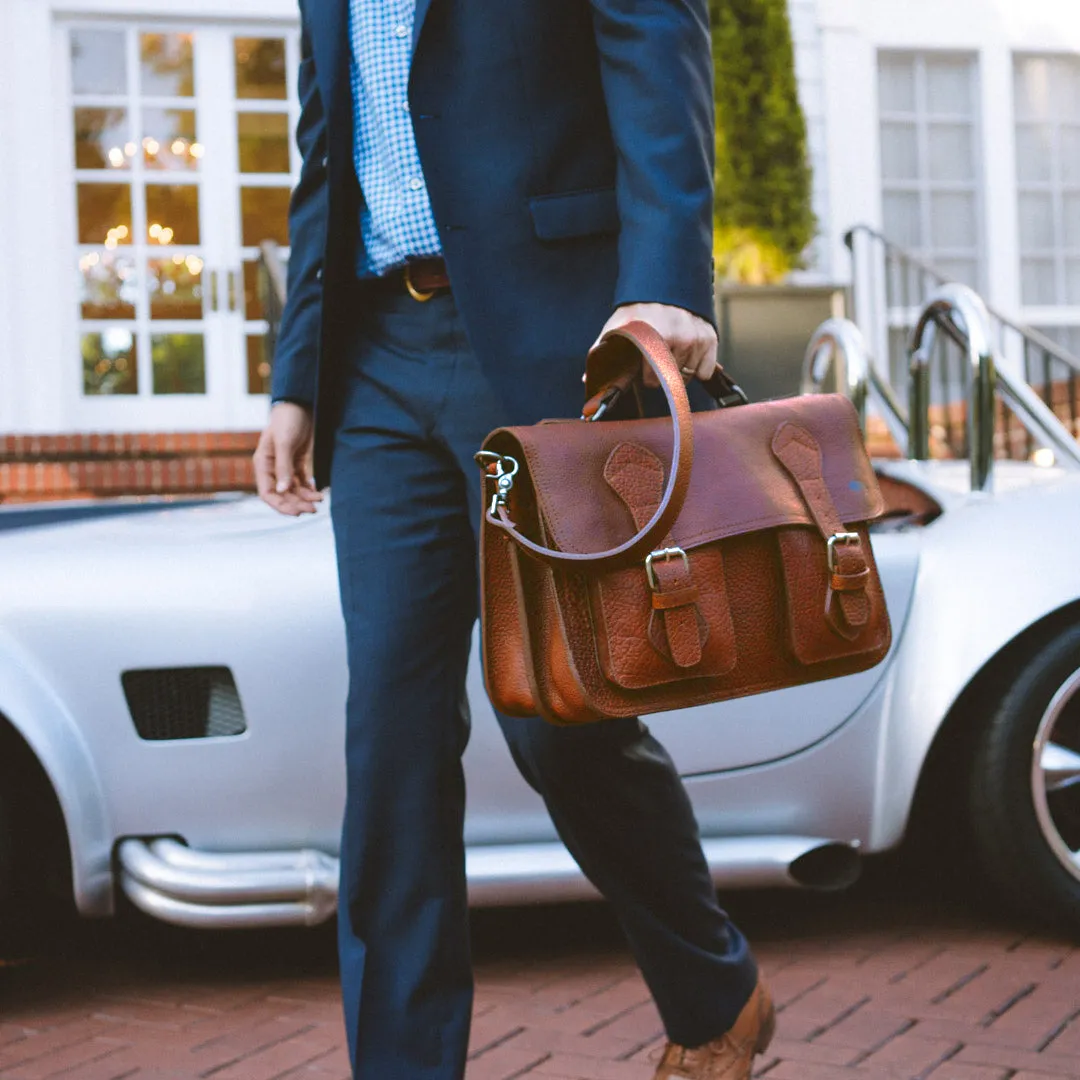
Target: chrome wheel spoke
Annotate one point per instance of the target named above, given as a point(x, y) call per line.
point(1060, 767)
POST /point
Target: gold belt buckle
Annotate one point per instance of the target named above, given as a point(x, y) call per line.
point(414, 292)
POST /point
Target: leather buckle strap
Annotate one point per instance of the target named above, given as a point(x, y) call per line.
point(423, 278)
point(839, 538)
point(848, 567)
point(667, 554)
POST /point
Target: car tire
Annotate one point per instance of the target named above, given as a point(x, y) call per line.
point(1024, 826)
point(23, 918)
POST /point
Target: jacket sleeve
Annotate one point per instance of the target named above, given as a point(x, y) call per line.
point(296, 355)
point(656, 69)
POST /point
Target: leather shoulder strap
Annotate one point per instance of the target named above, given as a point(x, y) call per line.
point(618, 354)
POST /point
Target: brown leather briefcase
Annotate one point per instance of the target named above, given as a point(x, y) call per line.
point(639, 565)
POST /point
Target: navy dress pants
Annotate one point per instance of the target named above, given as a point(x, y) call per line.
point(405, 505)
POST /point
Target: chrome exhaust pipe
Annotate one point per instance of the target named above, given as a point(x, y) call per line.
point(205, 888)
point(299, 888)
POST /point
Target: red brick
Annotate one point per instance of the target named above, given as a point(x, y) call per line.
point(951, 1071)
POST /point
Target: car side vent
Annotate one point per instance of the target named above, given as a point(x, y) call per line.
point(184, 703)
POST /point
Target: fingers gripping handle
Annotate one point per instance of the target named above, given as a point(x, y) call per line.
point(618, 354)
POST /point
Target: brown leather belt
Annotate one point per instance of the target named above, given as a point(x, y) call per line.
point(420, 278)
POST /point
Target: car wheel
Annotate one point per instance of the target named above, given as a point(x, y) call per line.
point(1024, 793)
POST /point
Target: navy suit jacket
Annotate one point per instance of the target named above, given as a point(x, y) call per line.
point(568, 151)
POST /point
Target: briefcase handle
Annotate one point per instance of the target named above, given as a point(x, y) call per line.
point(614, 363)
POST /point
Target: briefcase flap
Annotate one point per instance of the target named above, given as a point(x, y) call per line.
point(737, 485)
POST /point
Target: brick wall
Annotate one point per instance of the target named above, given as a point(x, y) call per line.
point(34, 468)
point(41, 467)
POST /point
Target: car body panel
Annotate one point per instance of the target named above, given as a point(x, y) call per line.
point(233, 584)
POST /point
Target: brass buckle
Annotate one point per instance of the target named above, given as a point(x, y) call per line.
point(667, 554)
point(840, 538)
point(414, 292)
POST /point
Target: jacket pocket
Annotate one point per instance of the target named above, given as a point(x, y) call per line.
point(574, 213)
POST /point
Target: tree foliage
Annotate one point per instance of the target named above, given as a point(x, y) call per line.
point(763, 215)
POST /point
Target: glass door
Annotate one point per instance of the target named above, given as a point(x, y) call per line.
point(183, 162)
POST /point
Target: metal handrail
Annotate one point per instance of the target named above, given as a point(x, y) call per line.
point(960, 313)
point(838, 345)
point(272, 290)
point(270, 255)
point(1030, 333)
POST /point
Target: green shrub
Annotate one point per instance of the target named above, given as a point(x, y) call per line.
point(763, 215)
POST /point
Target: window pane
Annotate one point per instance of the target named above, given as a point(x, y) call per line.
point(175, 287)
point(1071, 212)
point(258, 364)
point(168, 139)
point(109, 365)
point(965, 271)
point(1037, 282)
point(1036, 222)
point(104, 214)
point(896, 83)
point(948, 86)
point(263, 139)
point(899, 152)
point(902, 224)
point(1066, 79)
point(952, 220)
point(178, 362)
point(1072, 281)
point(98, 62)
point(107, 285)
point(952, 152)
point(1034, 152)
point(100, 138)
point(172, 213)
point(264, 215)
point(167, 65)
point(253, 306)
point(1032, 81)
point(260, 68)
point(1070, 155)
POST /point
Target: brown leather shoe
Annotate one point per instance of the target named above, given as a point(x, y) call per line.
point(731, 1056)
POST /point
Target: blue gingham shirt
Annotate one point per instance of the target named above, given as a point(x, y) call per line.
point(396, 220)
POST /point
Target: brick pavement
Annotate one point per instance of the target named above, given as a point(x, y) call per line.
point(869, 988)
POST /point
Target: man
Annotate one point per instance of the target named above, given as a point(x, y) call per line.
point(487, 184)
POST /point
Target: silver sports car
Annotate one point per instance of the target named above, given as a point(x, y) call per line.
point(172, 689)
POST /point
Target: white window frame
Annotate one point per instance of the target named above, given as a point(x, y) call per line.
point(226, 405)
point(922, 185)
point(1061, 314)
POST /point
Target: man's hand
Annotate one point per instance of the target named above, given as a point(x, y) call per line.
point(283, 461)
point(691, 339)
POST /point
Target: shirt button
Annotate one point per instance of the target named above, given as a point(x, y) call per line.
point(401, 30)
point(416, 183)
point(404, 106)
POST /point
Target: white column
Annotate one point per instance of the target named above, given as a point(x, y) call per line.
point(7, 214)
point(850, 86)
point(999, 183)
point(37, 204)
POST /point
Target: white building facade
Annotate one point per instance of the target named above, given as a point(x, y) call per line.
point(148, 151)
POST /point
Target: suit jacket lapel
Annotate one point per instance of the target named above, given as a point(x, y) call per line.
point(418, 22)
point(328, 24)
